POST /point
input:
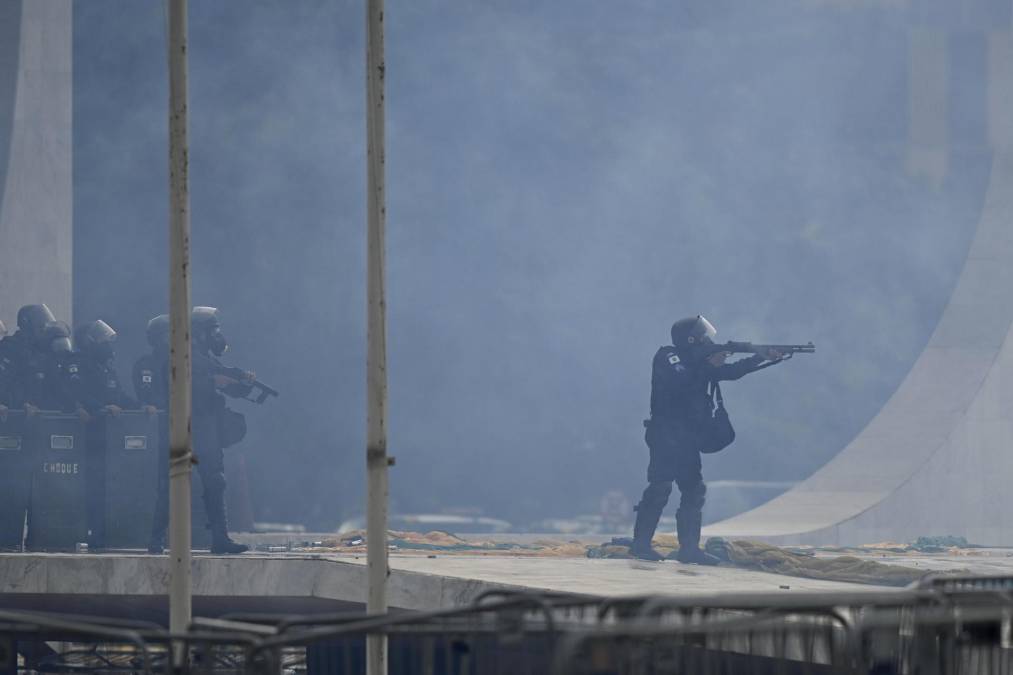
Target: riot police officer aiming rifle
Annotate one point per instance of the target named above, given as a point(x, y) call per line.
point(215, 426)
point(687, 419)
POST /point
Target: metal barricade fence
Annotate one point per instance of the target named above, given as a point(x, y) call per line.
point(950, 628)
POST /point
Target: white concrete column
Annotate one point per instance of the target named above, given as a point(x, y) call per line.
point(36, 204)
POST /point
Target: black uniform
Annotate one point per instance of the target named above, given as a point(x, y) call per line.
point(207, 421)
point(96, 384)
point(34, 376)
point(680, 399)
point(9, 358)
point(151, 385)
point(208, 405)
point(208, 413)
point(681, 381)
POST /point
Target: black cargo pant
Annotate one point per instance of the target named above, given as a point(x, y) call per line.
point(210, 457)
point(673, 458)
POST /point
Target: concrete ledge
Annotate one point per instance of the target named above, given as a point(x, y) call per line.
point(282, 583)
point(135, 585)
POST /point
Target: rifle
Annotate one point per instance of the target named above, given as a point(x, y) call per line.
point(258, 391)
point(788, 351)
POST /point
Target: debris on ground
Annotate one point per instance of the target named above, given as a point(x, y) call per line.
point(850, 564)
point(619, 547)
point(761, 557)
point(940, 544)
point(445, 543)
point(767, 558)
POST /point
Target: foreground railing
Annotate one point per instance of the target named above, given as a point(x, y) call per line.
point(945, 625)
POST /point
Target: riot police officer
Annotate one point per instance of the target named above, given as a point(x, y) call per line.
point(50, 370)
point(149, 375)
point(209, 415)
point(96, 384)
point(680, 379)
point(30, 361)
point(97, 391)
point(151, 386)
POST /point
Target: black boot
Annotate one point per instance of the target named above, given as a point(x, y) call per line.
point(648, 515)
point(226, 546)
point(220, 541)
point(687, 525)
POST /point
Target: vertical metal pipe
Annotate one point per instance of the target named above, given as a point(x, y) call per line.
point(376, 337)
point(179, 316)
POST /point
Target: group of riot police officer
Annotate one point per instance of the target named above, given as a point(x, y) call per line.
point(43, 369)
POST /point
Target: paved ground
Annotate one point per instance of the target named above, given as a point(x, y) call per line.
point(610, 577)
point(134, 584)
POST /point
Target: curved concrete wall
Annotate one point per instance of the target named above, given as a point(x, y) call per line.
point(937, 458)
point(10, 29)
point(35, 149)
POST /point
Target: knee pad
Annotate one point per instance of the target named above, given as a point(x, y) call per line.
point(693, 497)
point(656, 495)
point(213, 483)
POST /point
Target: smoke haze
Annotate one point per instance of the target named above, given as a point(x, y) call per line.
point(564, 180)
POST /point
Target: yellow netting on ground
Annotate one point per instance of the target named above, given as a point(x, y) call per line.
point(444, 543)
point(766, 558)
point(749, 555)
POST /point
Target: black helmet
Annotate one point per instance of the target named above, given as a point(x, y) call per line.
point(96, 338)
point(33, 319)
point(689, 333)
point(207, 330)
point(57, 336)
point(158, 332)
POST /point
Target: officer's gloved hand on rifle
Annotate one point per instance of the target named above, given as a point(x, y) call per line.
point(223, 381)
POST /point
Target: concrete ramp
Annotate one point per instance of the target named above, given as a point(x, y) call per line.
point(938, 458)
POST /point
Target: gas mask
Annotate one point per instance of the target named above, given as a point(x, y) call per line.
point(104, 351)
point(217, 342)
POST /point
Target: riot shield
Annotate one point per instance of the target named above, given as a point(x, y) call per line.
point(57, 519)
point(131, 444)
point(15, 479)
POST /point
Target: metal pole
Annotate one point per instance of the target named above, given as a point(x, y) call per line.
point(179, 317)
point(376, 337)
